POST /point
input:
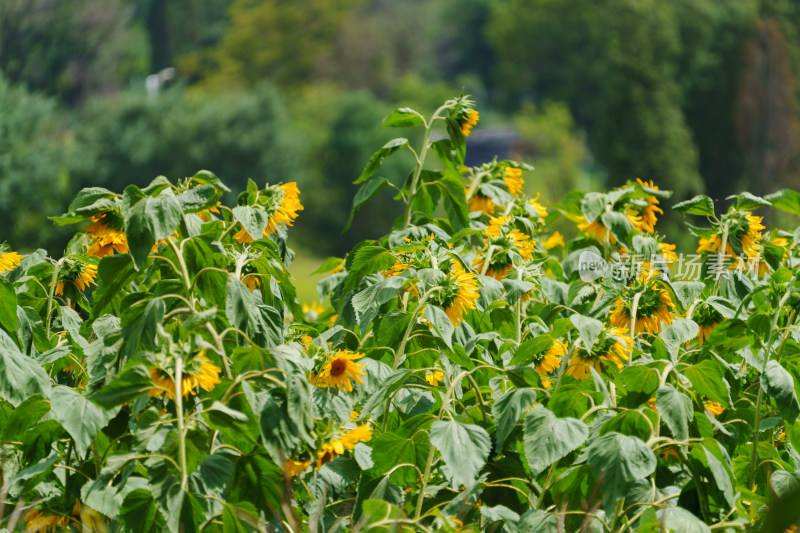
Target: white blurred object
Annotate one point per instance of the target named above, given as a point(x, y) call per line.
point(153, 82)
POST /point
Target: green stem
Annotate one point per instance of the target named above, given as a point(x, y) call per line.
point(760, 398)
point(415, 179)
point(721, 259)
point(51, 294)
point(181, 422)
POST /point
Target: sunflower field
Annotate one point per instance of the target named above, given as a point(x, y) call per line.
point(473, 370)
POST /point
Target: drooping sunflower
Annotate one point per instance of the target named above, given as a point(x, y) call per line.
point(595, 230)
point(284, 203)
point(707, 318)
point(8, 260)
point(40, 521)
point(459, 292)
point(468, 121)
point(514, 180)
point(744, 235)
point(612, 345)
point(654, 308)
point(556, 239)
point(338, 371)
point(539, 208)
point(644, 218)
point(481, 203)
point(294, 468)
point(200, 372)
point(75, 272)
point(330, 450)
point(714, 408)
point(550, 360)
point(502, 244)
point(107, 235)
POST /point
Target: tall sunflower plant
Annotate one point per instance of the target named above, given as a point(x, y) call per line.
point(474, 369)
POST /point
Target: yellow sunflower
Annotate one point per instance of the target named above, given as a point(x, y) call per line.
point(655, 304)
point(551, 359)
point(613, 345)
point(294, 468)
point(338, 371)
point(37, 521)
point(312, 311)
point(481, 203)
point(513, 180)
point(9, 261)
point(595, 230)
point(460, 293)
point(395, 269)
point(199, 373)
point(469, 122)
point(556, 239)
point(505, 242)
point(714, 408)
point(251, 281)
point(707, 319)
point(330, 450)
point(107, 236)
point(646, 219)
point(744, 229)
point(539, 208)
point(667, 252)
point(78, 273)
point(434, 378)
point(284, 214)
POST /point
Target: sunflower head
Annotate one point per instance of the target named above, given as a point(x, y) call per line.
point(512, 176)
point(338, 370)
point(8, 260)
point(613, 345)
point(503, 245)
point(74, 277)
point(458, 291)
point(707, 319)
point(281, 203)
point(106, 235)
point(199, 372)
point(335, 447)
point(549, 360)
point(654, 307)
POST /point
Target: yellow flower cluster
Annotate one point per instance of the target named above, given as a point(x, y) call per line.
point(106, 238)
point(204, 374)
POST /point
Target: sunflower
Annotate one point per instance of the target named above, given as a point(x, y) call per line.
point(556, 239)
point(667, 252)
point(251, 281)
point(78, 273)
point(9, 261)
point(312, 311)
point(506, 243)
point(539, 208)
point(551, 359)
point(287, 197)
point(292, 468)
point(707, 318)
point(330, 450)
point(482, 203)
point(595, 230)
point(468, 122)
point(613, 345)
point(655, 305)
point(395, 269)
point(513, 180)
point(645, 220)
point(199, 373)
point(434, 378)
point(37, 521)
point(107, 236)
point(744, 232)
point(338, 370)
point(459, 293)
point(714, 408)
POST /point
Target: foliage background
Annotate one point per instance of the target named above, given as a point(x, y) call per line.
point(697, 95)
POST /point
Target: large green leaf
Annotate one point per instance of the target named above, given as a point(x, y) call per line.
point(403, 117)
point(508, 409)
point(699, 205)
point(139, 512)
point(464, 448)
point(707, 380)
point(377, 158)
point(549, 439)
point(20, 376)
point(408, 445)
point(254, 220)
point(124, 388)
point(8, 306)
point(676, 409)
point(588, 328)
point(147, 220)
point(618, 461)
point(80, 417)
point(779, 385)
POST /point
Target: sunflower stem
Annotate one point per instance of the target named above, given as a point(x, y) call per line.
point(720, 260)
point(634, 312)
point(760, 398)
point(181, 422)
point(418, 171)
point(51, 294)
